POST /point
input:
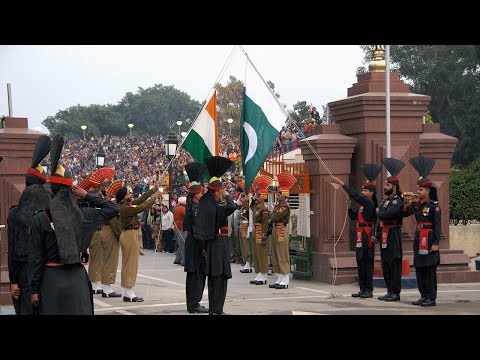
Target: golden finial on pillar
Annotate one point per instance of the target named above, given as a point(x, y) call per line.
point(378, 63)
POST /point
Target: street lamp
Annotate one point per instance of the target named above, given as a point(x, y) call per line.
point(83, 127)
point(100, 157)
point(230, 121)
point(179, 123)
point(171, 143)
point(130, 126)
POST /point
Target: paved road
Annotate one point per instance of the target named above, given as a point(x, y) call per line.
point(162, 284)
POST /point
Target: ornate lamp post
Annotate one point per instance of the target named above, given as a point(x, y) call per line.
point(130, 126)
point(230, 121)
point(179, 123)
point(171, 143)
point(83, 127)
point(100, 157)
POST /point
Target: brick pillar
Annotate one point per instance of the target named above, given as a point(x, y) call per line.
point(17, 143)
point(327, 200)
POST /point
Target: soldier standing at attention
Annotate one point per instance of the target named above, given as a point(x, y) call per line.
point(390, 214)
point(280, 236)
point(426, 256)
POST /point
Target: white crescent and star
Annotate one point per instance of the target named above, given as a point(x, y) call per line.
point(252, 140)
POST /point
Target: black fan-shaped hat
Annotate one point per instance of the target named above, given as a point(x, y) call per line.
point(59, 175)
point(424, 166)
point(35, 174)
point(217, 166)
point(195, 171)
point(394, 166)
point(371, 172)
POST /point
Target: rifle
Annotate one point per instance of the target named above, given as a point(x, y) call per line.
point(269, 228)
point(374, 234)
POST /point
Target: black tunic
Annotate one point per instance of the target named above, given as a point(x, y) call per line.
point(63, 289)
point(426, 212)
point(368, 214)
point(194, 261)
point(391, 210)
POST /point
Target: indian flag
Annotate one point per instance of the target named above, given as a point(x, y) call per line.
point(262, 119)
point(202, 140)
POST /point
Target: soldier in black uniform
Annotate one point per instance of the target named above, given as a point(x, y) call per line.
point(425, 207)
point(35, 197)
point(366, 217)
point(390, 215)
point(195, 250)
point(211, 226)
point(58, 280)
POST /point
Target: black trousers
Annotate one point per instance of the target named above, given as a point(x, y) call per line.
point(217, 292)
point(365, 273)
point(194, 289)
point(427, 281)
point(23, 305)
point(392, 274)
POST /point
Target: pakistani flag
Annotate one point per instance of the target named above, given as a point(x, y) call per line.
point(262, 119)
point(202, 140)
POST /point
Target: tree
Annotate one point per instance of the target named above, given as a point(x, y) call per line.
point(157, 109)
point(301, 111)
point(464, 194)
point(229, 103)
point(99, 119)
point(451, 76)
point(154, 110)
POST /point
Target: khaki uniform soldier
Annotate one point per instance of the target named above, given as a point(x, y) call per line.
point(245, 246)
point(280, 236)
point(129, 237)
point(258, 236)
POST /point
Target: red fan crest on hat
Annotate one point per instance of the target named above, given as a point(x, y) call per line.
point(286, 181)
point(114, 187)
point(262, 182)
point(86, 184)
point(102, 175)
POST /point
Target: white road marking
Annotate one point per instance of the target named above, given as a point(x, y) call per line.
point(314, 290)
point(125, 312)
point(100, 303)
point(306, 313)
point(162, 280)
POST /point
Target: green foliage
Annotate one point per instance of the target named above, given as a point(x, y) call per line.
point(229, 104)
point(153, 110)
point(464, 194)
point(428, 118)
point(450, 74)
point(301, 111)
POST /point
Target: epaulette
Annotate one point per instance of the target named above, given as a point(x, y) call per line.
point(435, 202)
point(396, 195)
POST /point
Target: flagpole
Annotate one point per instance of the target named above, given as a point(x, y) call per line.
point(387, 98)
point(264, 82)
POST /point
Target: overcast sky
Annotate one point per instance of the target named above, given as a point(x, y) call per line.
point(46, 79)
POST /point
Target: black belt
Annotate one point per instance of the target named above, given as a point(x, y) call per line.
point(365, 225)
point(132, 228)
point(421, 226)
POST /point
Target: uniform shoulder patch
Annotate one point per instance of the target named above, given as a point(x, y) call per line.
point(394, 202)
point(437, 209)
